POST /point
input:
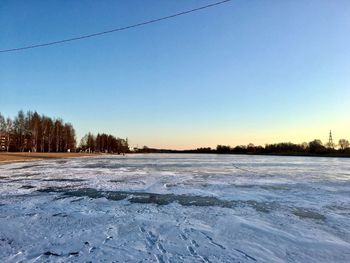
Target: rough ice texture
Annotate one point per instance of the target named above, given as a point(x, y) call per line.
point(176, 208)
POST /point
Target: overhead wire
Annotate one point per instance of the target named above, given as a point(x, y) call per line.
point(115, 29)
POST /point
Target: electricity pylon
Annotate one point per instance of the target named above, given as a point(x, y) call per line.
point(330, 143)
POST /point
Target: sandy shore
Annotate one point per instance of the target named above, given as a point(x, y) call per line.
point(26, 156)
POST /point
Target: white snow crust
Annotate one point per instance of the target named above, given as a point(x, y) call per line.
point(176, 208)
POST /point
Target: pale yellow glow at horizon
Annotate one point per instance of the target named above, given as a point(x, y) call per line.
point(233, 137)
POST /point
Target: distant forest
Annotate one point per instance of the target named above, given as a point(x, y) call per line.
point(313, 148)
point(39, 133)
point(106, 143)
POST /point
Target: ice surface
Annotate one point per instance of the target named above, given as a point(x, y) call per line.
point(176, 208)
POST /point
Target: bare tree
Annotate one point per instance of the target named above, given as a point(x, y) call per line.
point(49, 128)
point(20, 132)
point(36, 131)
point(344, 144)
point(32, 132)
point(58, 134)
point(9, 130)
point(68, 137)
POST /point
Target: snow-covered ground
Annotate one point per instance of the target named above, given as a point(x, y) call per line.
point(176, 208)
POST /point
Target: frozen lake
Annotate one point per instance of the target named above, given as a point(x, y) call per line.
point(176, 208)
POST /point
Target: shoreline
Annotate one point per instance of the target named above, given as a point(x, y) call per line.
point(330, 155)
point(15, 157)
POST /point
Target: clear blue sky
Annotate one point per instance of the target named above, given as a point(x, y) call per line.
point(246, 71)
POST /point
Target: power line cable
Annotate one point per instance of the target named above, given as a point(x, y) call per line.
point(114, 30)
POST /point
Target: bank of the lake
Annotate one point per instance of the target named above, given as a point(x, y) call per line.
point(10, 157)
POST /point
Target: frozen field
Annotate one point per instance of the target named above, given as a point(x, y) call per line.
point(176, 208)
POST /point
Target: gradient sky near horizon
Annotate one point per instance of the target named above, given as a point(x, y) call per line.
point(245, 71)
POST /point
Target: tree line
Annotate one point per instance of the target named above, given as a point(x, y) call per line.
point(105, 143)
point(315, 147)
point(32, 132)
point(36, 133)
